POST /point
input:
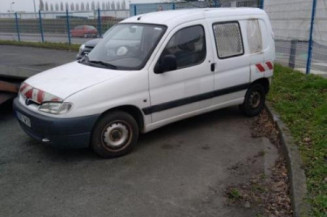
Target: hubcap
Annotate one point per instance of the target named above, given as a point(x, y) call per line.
point(116, 135)
point(255, 99)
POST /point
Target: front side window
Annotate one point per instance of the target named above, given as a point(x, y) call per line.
point(187, 46)
point(228, 39)
point(126, 46)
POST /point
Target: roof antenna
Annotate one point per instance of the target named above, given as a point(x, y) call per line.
point(139, 18)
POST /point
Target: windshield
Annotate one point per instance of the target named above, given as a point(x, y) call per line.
point(126, 46)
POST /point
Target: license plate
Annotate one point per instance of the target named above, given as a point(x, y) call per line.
point(23, 118)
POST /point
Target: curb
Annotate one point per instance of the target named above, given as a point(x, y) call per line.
point(294, 165)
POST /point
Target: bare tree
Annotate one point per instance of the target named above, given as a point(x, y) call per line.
point(77, 7)
point(57, 7)
point(118, 5)
point(72, 8)
point(93, 6)
point(113, 5)
point(51, 7)
point(61, 6)
point(123, 5)
point(98, 5)
point(103, 6)
point(41, 5)
point(66, 6)
point(87, 6)
point(46, 6)
point(107, 6)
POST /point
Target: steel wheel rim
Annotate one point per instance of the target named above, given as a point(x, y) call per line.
point(255, 99)
point(116, 135)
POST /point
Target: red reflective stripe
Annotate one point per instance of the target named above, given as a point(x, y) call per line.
point(260, 67)
point(29, 94)
point(40, 96)
point(270, 65)
point(22, 87)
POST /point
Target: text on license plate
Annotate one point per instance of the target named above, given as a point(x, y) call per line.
point(24, 119)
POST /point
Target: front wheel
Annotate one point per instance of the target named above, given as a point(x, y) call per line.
point(115, 135)
point(254, 100)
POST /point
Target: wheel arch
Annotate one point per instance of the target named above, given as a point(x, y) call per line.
point(264, 82)
point(134, 111)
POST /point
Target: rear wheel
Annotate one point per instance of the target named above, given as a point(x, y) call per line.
point(115, 134)
point(254, 101)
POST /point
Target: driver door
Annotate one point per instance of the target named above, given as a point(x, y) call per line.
point(179, 92)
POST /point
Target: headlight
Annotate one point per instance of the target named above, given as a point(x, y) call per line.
point(81, 48)
point(55, 107)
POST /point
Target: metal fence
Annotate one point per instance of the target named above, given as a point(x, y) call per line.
point(300, 26)
point(61, 26)
point(58, 26)
point(136, 9)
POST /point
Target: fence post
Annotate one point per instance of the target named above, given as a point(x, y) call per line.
point(17, 26)
point(314, 6)
point(99, 23)
point(291, 62)
point(216, 5)
point(135, 10)
point(173, 6)
point(68, 28)
point(261, 4)
point(41, 27)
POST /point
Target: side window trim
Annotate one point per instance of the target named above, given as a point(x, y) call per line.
point(241, 35)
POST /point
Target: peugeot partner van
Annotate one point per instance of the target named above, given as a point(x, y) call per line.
point(151, 70)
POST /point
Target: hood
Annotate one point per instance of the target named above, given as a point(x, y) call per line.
point(70, 78)
point(92, 42)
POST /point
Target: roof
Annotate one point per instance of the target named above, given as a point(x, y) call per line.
point(175, 17)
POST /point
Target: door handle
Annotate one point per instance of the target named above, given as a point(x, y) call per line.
point(213, 67)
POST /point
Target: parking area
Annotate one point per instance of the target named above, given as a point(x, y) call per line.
point(26, 61)
point(182, 169)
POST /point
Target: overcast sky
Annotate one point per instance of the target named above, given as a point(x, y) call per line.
point(27, 5)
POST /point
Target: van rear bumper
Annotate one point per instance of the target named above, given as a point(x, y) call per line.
point(58, 132)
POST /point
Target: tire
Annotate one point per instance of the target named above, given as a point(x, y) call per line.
point(254, 100)
point(114, 135)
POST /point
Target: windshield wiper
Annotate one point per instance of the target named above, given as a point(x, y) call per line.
point(88, 61)
point(108, 65)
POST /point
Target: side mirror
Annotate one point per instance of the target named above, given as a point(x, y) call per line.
point(166, 63)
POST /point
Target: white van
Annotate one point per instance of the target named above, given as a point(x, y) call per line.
point(151, 70)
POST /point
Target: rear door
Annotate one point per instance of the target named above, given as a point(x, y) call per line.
point(255, 43)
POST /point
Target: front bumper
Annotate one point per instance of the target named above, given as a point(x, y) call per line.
point(59, 132)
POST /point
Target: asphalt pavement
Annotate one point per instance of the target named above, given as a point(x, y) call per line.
point(182, 169)
point(26, 61)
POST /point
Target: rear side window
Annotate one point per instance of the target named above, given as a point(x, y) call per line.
point(254, 36)
point(228, 39)
point(188, 45)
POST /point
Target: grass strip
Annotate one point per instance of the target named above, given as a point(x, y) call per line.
point(301, 101)
point(50, 45)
